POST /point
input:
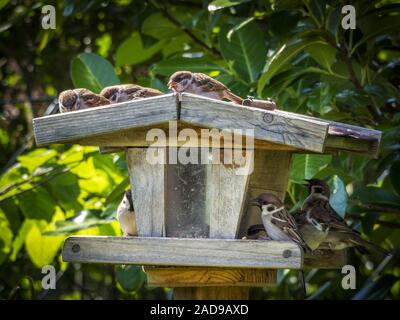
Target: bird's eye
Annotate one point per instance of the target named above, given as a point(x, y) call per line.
point(270, 207)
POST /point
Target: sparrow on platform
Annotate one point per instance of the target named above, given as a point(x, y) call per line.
point(279, 224)
point(128, 92)
point(201, 84)
point(78, 99)
point(126, 215)
point(322, 227)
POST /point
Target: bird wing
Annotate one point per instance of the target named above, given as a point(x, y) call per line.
point(93, 100)
point(207, 83)
point(286, 222)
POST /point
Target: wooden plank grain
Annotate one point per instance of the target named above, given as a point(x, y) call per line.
point(287, 129)
point(66, 127)
point(183, 252)
point(175, 277)
point(148, 190)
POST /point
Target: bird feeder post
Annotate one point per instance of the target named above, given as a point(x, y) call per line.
point(191, 218)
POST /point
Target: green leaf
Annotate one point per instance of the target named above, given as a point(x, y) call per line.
point(339, 197)
point(36, 158)
point(93, 72)
point(117, 194)
point(159, 27)
point(372, 26)
point(282, 23)
point(377, 196)
point(322, 53)
point(168, 67)
point(3, 3)
point(306, 166)
point(245, 49)
point(42, 249)
point(131, 51)
point(83, 220)
point(395, 176)
point(221, 4)
point(131, 278)
point(6, 237)
point(20, 238)
point(37, 204)
point(280, 59)
point(65, 190)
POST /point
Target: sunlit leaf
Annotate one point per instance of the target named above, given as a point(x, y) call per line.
point(168, 67)
point(160, 27)
point(42, 249)
point(37, 204)
point(131, 51)
point(6, 237)
point(93, 72)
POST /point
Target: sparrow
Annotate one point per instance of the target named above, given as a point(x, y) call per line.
point(279, 224)
point(126, 215)
point(78, 99)
point(128, 92)
point(201, 84)
point(322, 227)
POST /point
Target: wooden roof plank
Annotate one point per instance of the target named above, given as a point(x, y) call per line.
point(288, 129)
point(72, 126)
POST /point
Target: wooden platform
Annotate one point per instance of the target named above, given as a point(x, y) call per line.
point(155, 251)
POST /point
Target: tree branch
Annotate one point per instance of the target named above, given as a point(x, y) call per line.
point(171, 18)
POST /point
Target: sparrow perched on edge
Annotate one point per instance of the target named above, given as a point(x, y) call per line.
point(279, 224)
point(78, 99)
point(201, 84)
point(128, 92)
point(321, 226)
point(126, 215)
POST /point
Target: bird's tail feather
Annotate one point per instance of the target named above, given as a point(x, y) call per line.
point(370, 246)
point(232, 97)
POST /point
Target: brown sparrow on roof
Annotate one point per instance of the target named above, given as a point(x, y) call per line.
point(78, 99)
point(201, 84)
point(128, 92)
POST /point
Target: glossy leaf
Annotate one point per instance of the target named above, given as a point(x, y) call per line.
point(245, 49)
point(280, 59)
point(221, 4)
point(131, 51)
point(306, 166)
point(93, 72)
point(168, 67)
point(131, 278)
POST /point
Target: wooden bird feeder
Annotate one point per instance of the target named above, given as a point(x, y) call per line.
point(191, 217)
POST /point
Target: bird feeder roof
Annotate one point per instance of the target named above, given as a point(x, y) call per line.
point(126, 124)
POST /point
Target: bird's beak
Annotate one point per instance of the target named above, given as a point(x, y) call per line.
point(171, 85)
point(306, 182)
